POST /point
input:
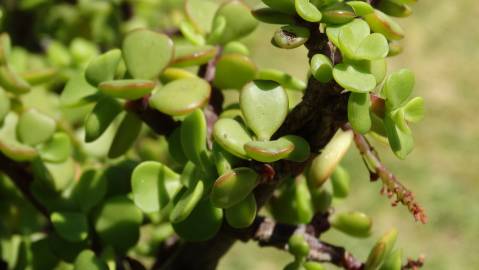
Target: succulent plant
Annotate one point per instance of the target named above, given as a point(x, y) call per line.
point(132, 152)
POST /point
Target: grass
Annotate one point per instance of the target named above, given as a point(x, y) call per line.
point(441, 47)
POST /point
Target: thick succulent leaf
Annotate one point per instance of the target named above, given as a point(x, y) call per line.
point(193, 137)
point(324, 165)
point(43, 125)
point(272, 16)
point(340, 180)
point(87, 260)
point(126, 135)
point(383, 24)
point(356, 224)
point(181, 97)
point(239, 21)
point(285, 6)
point(307, 11)
point(127, 89)
point(101, 117)
point(146, 53)
point(190, 33)
point(103, 67)
point(9, 144)
point(233, 187)
point(205, 219)
point(153, 186)
point(264, 105)
point(393, 261)
point(89, 190)
point(414, 110)
point(359, 105)
point(71, 226)
point(291, 36)
point(201, 13)
point(173, 74)
point(5, 47)
point(187, 202)
point(233, 71)
point(12, 82)
point(77, 91)
point(354, 78)
point(117, 223)
point(39, 76)
point(269, 151)
point(281, 77)
point(4, 105)
point(57, 149)
point(373, 47)
point(381, 250)
point(186, 56)
point(398, 87)
point(321, 68)
point(361, 8)
point(401, 143)
point(337, 13)
point(360, 30)
point(301, 150)
point(232, 136)
point(236, 47)
point(175, 148)
point(394, 9)
point(242, 214)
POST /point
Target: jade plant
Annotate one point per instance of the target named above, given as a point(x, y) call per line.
point(120, 147)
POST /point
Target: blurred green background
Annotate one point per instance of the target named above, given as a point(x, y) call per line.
point(442, 48)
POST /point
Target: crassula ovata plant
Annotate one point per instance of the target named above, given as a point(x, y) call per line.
point(119, 149)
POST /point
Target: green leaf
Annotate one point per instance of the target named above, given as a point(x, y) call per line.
point(57, 149)
point(393, 261)
point(356, 224)
point(9, 144)
point(298, 246)
point(359, 28)
point(394, 9)
point(193, 137)
point(70, 225)
point(101, 117)
point(12, 82)
point(186, 56)
point(264, 105)
point(103, 67)
point(89, 190)
point(175, 148)
point(181, 97)
point(87, 260)
point(172, 74)
point(233, 71)
point(272, 16)
point(383, 24)
point(239, 21)
point(281, 77)
point(338, 13)
point(232, 136)
point(127, 89)
point(236, 47)
point(361, 8)
point(311, 265)
point(324, 165)
point(233, 187)
point(398, 87)
point(381, 250)
point(201, 13)
point(5, 48)
point(307, 11)
point(301, 150)
point(359, 105)
point(414, 110)
point(321, 68)
point(187, 202)
point(242, 214)
point(117, 223)
point(4, 105)
point(206, 221)
point(191, 34)
point(146, 53)
point(399, 118)
point(77, 91)
point(126, 135)
point(291, 36)
point(340, 180)
point(269, 151)
point(153, 186)
point(373, 47)
point(354, 78)
point(39, 76)
point(43, 125)
point(401, 143)
point(56, 176)
point(285, 6)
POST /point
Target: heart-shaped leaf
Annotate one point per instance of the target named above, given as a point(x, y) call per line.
point(242, 214)
point(321, 68)
point(201, 13)
point(414, 110)
point(359, 105)
point(290, 37)
point(269, 151)
point(103, 67)
point(12, 82)
point(77, 91)
point(117, 223)
point(71, 226)
point(233, 187)
point(146, 53)
point(127, 89)
point(359, 30)
point(383, 24)
point(87, 260)
point(301, 150)
point(264, 105)
point(232, 136)
point(239, 21)
point(307, 11)
point(281, 77)
point(101, 117)
point(57, 149)
point(398, 87)
point(373, 47)
point(354, 78)
point(187, 202)
point(205, 218)
point(153, 186)
point(181, 97)
point(193, 137)
point(89, 190)
point(233, 71)
point(126, 135)
point(43, 125)
point(356, 224)
point(324, 165)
